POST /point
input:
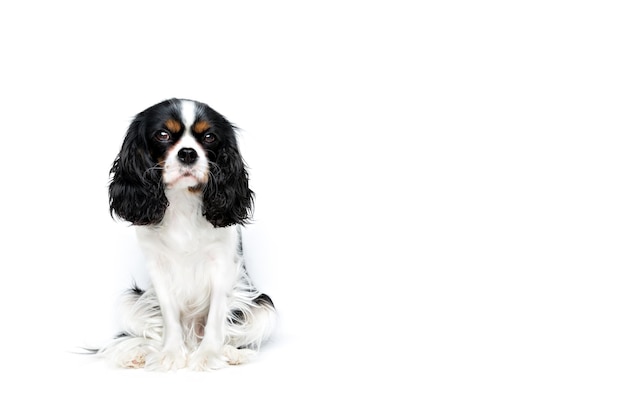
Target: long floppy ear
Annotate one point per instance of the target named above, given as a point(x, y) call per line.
point(227, 199)
point(136, 193)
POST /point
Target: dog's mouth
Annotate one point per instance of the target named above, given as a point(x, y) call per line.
point(187, 178)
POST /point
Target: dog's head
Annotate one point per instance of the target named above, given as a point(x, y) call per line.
point(180, 145)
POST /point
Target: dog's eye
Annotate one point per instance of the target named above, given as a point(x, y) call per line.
point(209, 138)
point(162, 136)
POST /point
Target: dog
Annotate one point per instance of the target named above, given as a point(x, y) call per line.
point(179, 178)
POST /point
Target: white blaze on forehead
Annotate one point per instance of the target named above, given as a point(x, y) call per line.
point(188, 116)
point(188, 113)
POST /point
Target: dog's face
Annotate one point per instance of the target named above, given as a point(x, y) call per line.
point(185, 145)
point(184, 137)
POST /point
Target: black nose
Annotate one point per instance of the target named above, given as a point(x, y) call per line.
point(187, 155)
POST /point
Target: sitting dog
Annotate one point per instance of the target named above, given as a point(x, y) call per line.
point(180, 179)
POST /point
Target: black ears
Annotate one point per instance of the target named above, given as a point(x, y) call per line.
point(227, 198)
point(136, 193)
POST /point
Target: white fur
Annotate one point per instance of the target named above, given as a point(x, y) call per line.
point(197, 277)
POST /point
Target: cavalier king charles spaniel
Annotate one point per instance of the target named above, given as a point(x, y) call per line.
point(180, 179)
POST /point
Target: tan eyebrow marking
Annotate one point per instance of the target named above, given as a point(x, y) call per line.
point(201, 126)
point(173, 125)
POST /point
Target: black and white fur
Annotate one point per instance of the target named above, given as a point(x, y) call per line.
point(180, 179)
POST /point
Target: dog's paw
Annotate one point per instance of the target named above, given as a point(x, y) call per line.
point(137, 360)
point(206, 360)
point(132, 358)
point(165, 361)
point(236, 356)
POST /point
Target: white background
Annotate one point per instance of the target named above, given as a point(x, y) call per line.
point(439, 215)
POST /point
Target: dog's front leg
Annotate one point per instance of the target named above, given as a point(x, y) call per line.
point(173, 353)
point(210, 352)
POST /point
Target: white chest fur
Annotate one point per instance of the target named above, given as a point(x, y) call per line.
point(188, 254)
